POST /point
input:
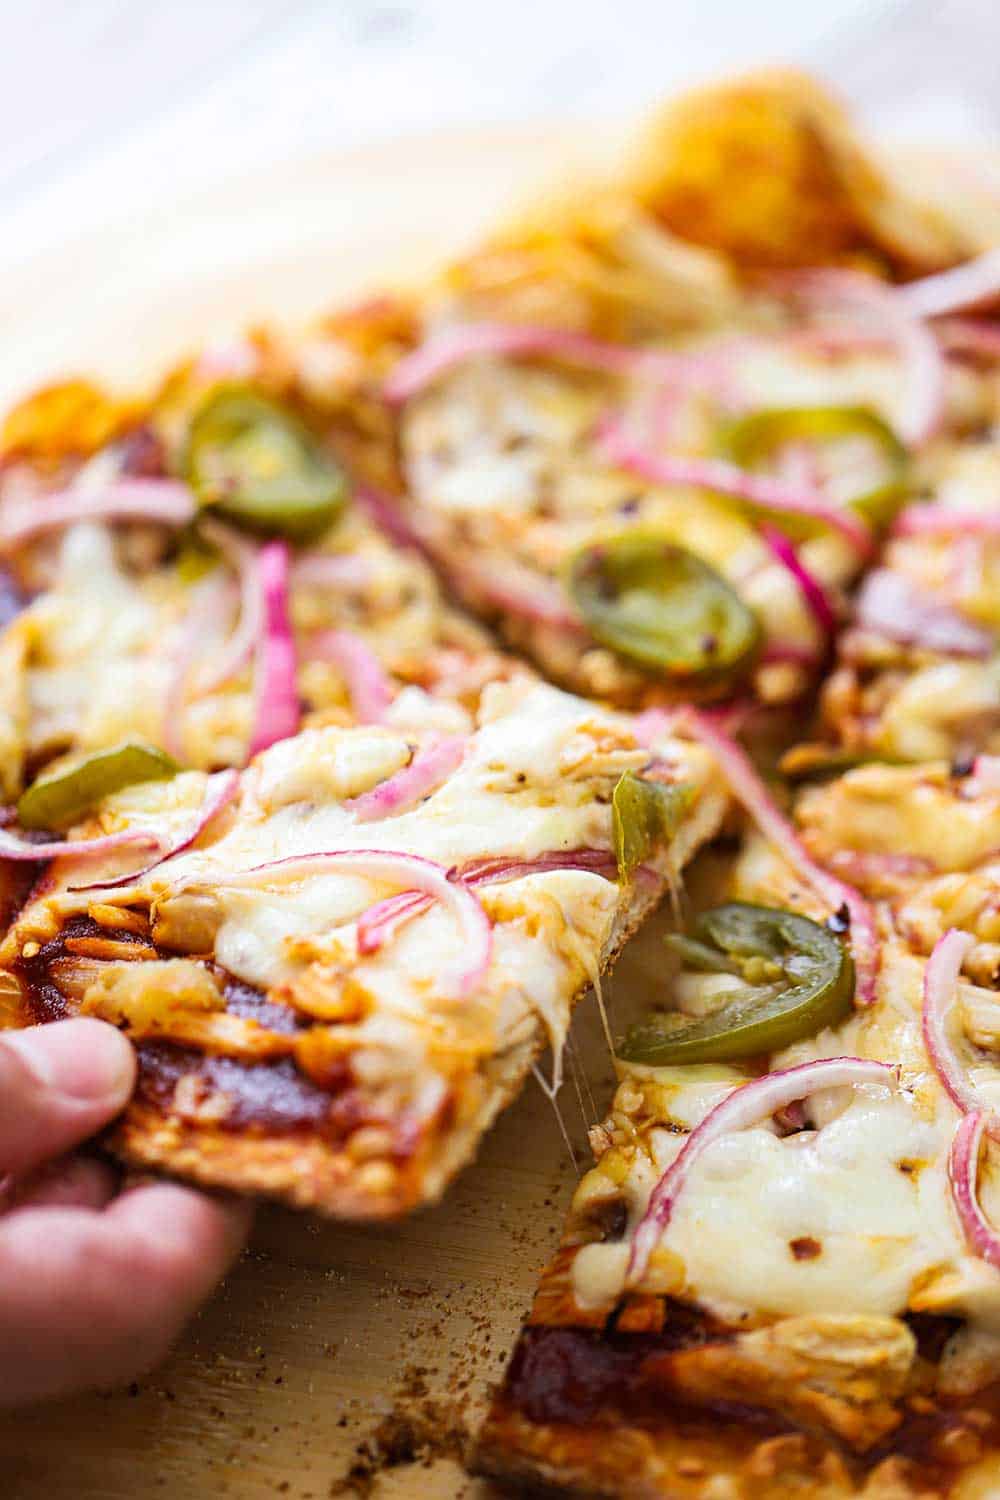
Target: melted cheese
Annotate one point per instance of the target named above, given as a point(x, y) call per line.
point(504, 453)
point(536, 777)
point(853, 1214)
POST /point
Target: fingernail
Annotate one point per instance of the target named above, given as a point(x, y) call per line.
point(81, 1059)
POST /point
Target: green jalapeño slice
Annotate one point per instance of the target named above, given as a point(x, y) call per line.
point(61, 796)
point(662, 607)
point(645, 815)
point(858, 459)
point(254, 463)
point(790, 977)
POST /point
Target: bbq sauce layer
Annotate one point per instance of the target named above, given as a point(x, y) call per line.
point(593, 1379)
point(271, 1097)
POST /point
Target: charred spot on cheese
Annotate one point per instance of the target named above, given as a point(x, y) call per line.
point(805, 1247)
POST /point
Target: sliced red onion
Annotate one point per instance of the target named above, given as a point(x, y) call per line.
point(384, 511)
point(411, 871)
point(241, 555)
point(220, 789)
point(789, 653)
point(940, 520)
point(748, 789)
point(497, 868)
point(969, 336)
point(472, 340)
point(166, 502)
point(812, 591)
point(430, 766)
point(985, 777)
point(891, 605)
point(208, 607)
point(963, 1178)
point(745, 1106)
point(277, 713)
point(331, 570)
point(726, 479)
point(518, 590)
point(12, 846)
point(368, 684)
point(381, 921)
point(862, 866)
point(940, 995)
point(878, 307)
point(968, 285)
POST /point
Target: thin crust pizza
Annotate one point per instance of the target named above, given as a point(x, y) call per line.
point(707, 443)
point(340, 963)
point(195, 571)
point(654, 434)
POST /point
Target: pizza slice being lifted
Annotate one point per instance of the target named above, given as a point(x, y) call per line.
point(338, 964)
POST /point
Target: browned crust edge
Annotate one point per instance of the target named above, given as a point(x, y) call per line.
point(307, 1172)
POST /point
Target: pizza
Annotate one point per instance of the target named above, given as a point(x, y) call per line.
point(639, 371)
point(365, 689)
point(136, 610)
point(782, 1274)
point(342, 960)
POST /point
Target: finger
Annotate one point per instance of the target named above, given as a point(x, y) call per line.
point(93, 1299)
point(58, 1085)
point(73, 1182)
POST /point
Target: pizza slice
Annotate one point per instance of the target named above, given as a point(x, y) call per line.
point(195, 572)
point(653, 440)
point(338, 964)
point(782, 1275)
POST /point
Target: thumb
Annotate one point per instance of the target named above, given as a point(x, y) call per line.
point(59, 1083)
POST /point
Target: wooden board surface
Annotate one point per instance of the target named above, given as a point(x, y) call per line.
point(331, 1353)
point(343, 1361)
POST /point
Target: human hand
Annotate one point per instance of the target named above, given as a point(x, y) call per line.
point(95, 1284)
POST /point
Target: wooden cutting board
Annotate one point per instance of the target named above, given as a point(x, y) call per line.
point(334, 1360)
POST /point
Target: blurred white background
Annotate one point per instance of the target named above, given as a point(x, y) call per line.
point(168, 172)
point(123, 101)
